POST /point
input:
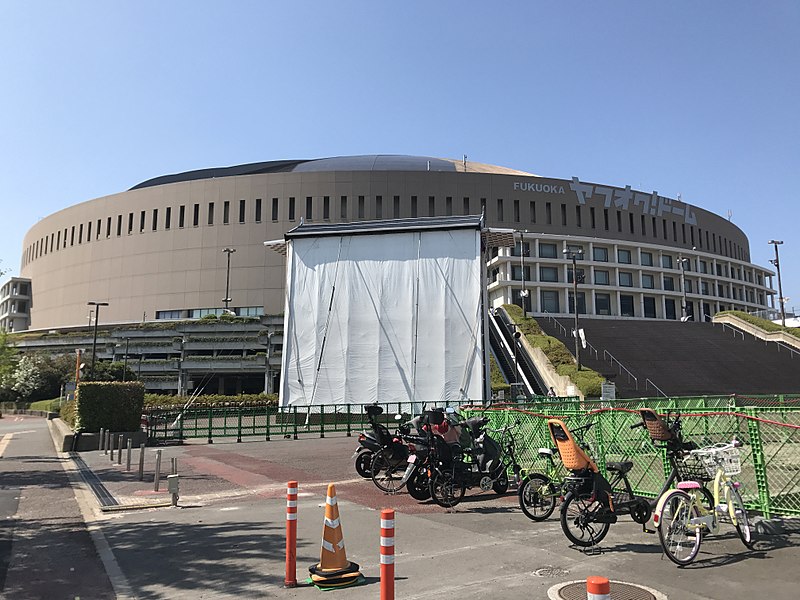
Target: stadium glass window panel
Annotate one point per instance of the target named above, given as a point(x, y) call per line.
point(669, 284)
point(167, 220)
point(326, 208)
point(600, 254)
point(361, 207)
point(396, 207)
point(581, 276)
point(647, 259)
point(466, 206)
point(625, 279)
point(517, 273)
point(155, 220)
point(210, 213)
point(548, 251)
point(602, 304)
point(581, 303)
point(624, 256)
point(141, 221)
point(343, 208)
point(666, 261)
point(533, 211)
point(309, 208)
point(592, 217)
point(648, 282)
point(549, 274)
point(242, 210)
point(274, 209)
point(601, 278)
point(564, 215)
point(499, 209)
point(649, 306)
point(196, 215)
point(548, 212)
point(257, 215)
point(291, 208)
point(549, 301)
point(226, 212)
point(669, 309)
point(414, 207)
point(378, 207)
point(626, 306)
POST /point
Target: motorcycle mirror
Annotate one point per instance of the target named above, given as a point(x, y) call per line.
point(450, 410)
point(398, 417)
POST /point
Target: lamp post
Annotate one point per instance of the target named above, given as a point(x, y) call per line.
point(523, 295)
point(684, 309)
point(97, 306)
point(227, 297)
point(574, 255)
point(125, 362)
point(777, 264)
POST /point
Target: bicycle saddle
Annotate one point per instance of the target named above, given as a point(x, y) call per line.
point(621, 467)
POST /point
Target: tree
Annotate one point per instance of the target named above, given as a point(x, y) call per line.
point(27, 378)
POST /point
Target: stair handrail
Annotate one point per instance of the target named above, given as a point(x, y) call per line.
point(622, 367)
point(734, 329)
point(658, 389)
point(792, 351)
point(566, 334)
point(553, 319)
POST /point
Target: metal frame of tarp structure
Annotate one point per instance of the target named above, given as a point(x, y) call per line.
point(390, 310)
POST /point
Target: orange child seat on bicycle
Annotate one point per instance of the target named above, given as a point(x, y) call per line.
point(576, 460)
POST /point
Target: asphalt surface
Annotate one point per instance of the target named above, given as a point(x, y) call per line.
point(226, 538)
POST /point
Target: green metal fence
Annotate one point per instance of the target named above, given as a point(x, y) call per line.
point(769, 427)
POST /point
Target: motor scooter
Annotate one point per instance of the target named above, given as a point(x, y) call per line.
point(370, 442)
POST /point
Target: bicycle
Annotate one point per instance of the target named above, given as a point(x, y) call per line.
point(538, 494)
point(680, 517)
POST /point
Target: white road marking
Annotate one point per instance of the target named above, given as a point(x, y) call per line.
point(5, 442)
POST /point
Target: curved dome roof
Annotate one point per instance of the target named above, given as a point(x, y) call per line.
point(366, 162)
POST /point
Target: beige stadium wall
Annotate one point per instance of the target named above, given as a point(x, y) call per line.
point(184, 268)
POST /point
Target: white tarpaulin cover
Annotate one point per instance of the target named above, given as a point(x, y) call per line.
point(385, 316)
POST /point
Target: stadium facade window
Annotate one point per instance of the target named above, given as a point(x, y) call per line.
point(548, 250)
point(548, 213)
point(257, 214)
point(648, 282)
point(396, 207)
point(310, 208)
point(669, 309)
point(326, 208)
point(274, 209)
point(291, 208)
point(578, 216)
point(466, 205)
point(500, 216)
point(619, 221)
point(602, 304)
point(549, 274)
point(250, 311)
point(378, 207)
point(196, 215)
point(448, 206)
point(601, 277)
point(669, 284)
point(141, 221)
point(210, 213)
point(564, 215)
point(361, 207)
point(181, 216)
point(605, 218)
point(666, 261)
point(581, 275)
point(649, 306)
point(592, 217)
point(549, 300)
point(625, 279)
point(600, 254)
point(130, 223)
point(647, 259)
point(167, 217)
point(155, 220)
point(242, 210)
point(624, 256)
point(119, 229)
point(226, 212)
point(343, 208)
point(533, 211)
point(414, 210)
point(581, 303)
point(630, 222)
point(168, 314)
point(626, 306)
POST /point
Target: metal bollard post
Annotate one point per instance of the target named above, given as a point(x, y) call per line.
point(174, 461)
point(112, 447)
point(119, 446)
point(108, 440)
point(158, 470)
point(102, 438)
point(128, 462)
point(141, 462)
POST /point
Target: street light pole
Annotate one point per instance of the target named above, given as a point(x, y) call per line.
point(684, 311)
point(97, 306)
point(524, 293)
point(227, 297)
point(125, 362)
point(574, 256)
point(777, 264)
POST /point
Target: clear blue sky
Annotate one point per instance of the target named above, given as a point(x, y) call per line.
point(696, 98)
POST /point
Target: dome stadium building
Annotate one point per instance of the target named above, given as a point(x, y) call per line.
point(169, 249)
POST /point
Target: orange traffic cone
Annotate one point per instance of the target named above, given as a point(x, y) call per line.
point(333, 569)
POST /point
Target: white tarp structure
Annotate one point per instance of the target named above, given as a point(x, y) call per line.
point(387, 311)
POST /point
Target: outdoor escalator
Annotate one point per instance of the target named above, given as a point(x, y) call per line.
point(512, 358)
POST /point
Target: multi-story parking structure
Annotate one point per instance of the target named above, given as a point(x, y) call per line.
point(157, 251)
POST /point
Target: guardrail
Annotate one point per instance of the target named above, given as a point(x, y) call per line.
point(612, 359)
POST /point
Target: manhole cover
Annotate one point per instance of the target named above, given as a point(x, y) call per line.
point(549, 571)
point(619, 591)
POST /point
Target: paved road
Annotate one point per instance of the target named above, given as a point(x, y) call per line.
point(226, 540)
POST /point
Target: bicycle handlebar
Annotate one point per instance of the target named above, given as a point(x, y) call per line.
point(640, 424)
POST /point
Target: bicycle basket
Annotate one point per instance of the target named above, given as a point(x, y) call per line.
point(692, 468)
point(725, 458)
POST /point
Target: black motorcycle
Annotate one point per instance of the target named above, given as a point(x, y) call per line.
point(475, 460)
point(370, 441)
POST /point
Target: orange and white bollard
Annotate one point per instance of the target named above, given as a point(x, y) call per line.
point(598, 588)
point(290, 580)
point(387, 554)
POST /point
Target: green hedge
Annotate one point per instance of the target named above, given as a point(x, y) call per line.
point(111, 405)
point(165, 400)
point(68, 413)
point(46, 405)
point(764, 324)
point(589, 382)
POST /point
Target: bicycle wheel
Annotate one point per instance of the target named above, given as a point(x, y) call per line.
point(739, 514)
point(387, 473)
point(537, 497)
point(578, 515)
point(680, 541)
point(446, 491)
